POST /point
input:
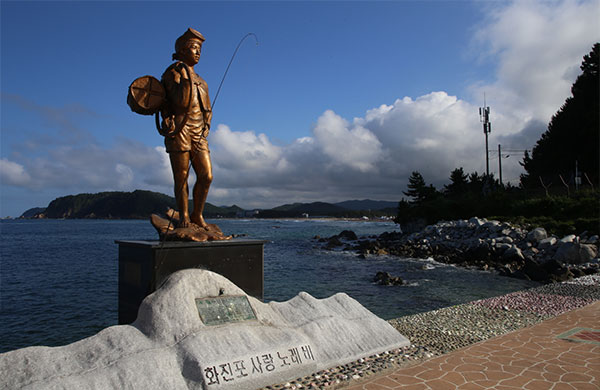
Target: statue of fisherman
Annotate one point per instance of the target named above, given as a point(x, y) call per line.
point(186, 118)
point(181, 97)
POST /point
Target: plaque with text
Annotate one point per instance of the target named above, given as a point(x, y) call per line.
point(222, 310)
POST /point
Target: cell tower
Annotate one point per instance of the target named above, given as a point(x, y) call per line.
point(484, 117)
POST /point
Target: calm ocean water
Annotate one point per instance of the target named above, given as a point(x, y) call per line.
point(58, 278)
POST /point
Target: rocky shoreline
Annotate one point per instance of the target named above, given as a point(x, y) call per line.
point(511, 250)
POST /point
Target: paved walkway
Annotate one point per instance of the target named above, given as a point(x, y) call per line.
point(562, 353)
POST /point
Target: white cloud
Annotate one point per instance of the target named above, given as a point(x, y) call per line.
point(538, 46)
point(352, 146)
point(245, 150)
point(14, 174)
point(127, 166)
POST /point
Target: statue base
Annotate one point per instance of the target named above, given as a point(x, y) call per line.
point(145, 265)
point(169, 230)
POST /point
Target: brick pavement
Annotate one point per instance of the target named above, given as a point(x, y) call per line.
point(562, 353)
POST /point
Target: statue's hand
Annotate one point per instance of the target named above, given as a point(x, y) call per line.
point(168, 125)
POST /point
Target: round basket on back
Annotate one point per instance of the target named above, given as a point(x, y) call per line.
point(146, 95)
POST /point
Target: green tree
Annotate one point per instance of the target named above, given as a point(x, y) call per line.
point(458, 183)
point(573, 132)
point(418, 190)
point(404, 212)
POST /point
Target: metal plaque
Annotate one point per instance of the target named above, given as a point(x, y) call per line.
point(222, 310)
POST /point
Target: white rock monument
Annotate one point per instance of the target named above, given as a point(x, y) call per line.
point(200, 331)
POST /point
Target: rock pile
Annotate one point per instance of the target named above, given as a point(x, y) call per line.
point(509, 249)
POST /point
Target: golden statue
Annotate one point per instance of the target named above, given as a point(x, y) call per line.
point(184, 104)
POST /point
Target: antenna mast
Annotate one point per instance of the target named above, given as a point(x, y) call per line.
point(484, 117)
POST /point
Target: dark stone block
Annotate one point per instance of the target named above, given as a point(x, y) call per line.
point(145, 265)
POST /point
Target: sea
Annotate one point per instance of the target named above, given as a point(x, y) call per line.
point(59, 278)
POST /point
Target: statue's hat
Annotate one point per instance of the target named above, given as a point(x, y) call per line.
point(189, 34)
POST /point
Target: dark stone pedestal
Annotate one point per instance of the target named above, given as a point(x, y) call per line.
point(144, 265)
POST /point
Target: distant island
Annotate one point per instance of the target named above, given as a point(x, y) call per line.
point(140, 204)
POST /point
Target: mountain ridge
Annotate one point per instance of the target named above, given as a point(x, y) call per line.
point(140, 204)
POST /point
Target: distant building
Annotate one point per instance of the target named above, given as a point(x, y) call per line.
point(246, 213)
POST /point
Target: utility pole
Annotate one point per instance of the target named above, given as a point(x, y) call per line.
point(500, 163)
point(484, 117)
point(505, 153)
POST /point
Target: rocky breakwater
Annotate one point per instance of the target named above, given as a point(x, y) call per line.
point(510, 249)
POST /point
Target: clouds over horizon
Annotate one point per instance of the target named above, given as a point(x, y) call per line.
point(536, 45)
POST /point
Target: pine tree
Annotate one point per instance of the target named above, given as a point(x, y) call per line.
point(458, 183)
point(418, 190)
point(573, 132)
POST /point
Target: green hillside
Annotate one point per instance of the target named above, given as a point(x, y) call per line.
point(138, 204)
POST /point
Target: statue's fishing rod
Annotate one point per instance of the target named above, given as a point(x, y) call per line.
point(230, 62)
point(212, 107)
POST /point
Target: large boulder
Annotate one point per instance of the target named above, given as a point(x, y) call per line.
point(557, 271)
point(513, 254)
point(587, 252)
point(534, 270)
point(537, 235)
point(348, 235)
point(546, 243)
point(569, 238)
point(576, 253)
point(568, 252)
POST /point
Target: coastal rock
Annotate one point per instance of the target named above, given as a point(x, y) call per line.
point(587, 253)
point(348, 235)
point(568, 252)
point(333, 242)
point(481, 251)
point(504, 240)
point(546, 243)
point(491, 245)
point(385, 279)
point(476, 221)
point(534, 270)
point(592, 240)
point(513, 254)
point(557, 271)
point(537, 235)
point(569, 238)
point(502, 248)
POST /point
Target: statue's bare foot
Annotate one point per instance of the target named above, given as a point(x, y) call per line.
point(184, 223)
point(199, 220)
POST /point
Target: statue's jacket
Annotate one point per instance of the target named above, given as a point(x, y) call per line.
point(188, 105)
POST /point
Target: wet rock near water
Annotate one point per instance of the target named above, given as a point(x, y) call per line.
point(509, 249)
point(385, 279)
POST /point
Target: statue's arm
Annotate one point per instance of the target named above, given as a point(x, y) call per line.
point(177, 85)
point(206, 105)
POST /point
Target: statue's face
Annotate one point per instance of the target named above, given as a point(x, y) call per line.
point(191, 52)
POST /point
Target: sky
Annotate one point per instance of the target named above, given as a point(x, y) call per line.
point(339, 100)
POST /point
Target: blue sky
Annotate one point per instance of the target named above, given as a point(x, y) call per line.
point(340, 100)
